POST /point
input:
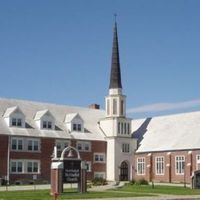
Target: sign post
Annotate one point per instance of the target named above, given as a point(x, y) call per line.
point(68, 169)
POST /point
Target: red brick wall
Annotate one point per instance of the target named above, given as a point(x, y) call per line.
point(3, 155)
point(169, 166)
point(47, 145)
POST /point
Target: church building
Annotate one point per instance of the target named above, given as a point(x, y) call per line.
point(116, 148)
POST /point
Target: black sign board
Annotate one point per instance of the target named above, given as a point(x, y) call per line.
point(71, 171)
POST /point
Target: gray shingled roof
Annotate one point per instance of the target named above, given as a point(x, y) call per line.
point(30, 109)
point(168, 133)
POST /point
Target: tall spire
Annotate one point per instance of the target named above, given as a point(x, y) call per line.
point(115, 76)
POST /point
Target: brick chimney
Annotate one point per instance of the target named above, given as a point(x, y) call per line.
point(94, 106)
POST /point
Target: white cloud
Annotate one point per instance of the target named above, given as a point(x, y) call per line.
point(157, 107)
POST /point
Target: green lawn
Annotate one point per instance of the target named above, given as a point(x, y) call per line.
point(44, 195)
point(126, 191)
point(177, 190)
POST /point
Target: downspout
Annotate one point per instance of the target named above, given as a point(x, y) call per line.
point(8, 162)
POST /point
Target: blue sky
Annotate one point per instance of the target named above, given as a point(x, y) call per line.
point(60, 52)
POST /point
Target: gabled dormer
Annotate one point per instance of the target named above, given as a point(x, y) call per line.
point(14, 117)
point(45, 120)
point(74, 122)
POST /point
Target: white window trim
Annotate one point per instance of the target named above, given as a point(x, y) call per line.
point(33, 140)
point(156, 169)
point(16, 160)
point(83, 144)
point(197, 163)
point(177, 173)
point(144, 169)
point(17, 139)
point(99, 154)
point(25, 144)
point(25, 166)
point(62, 144)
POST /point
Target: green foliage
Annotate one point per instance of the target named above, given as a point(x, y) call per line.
point(142, 181)
point(99, 181)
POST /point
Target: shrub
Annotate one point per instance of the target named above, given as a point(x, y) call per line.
point(142, 182)
point(99, 181)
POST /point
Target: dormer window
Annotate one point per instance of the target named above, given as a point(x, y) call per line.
point(74, 122)
point(45, 120)
point(14, 117)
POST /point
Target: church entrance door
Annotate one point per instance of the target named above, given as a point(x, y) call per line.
point(124, 171)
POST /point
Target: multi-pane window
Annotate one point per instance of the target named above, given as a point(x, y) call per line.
point(99, 157)
point(77, 127)
point(140, 166)
point(32, 167)
point(83, 146)
point(47, 124)
point(180, 164)
point(24, 166)
point(125, 147)
point(159, 165)
point(16, 166)
point(17, 144)
point(33, 145)
point(61, 144)
point(25, 144)
point(16, 122)
point(197, 161)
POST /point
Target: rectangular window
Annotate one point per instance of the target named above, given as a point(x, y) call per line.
point(197, 161)
point(159, 165)
point(114, 106)
point(125, 148)
point(122, 108)
point(17, 144)
point(83, 146)
point(25, 144)
point(180, 164)
point(128, 128)
point(140, 166)
point(118, 128)
point(16, 166)
point(47, 125)
point(99, 157)
point(79, 127)
point(33, 144)
point(24, 166)
point(74, 127)
point(122, 128)
point(16, 122)
point(32, 167)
